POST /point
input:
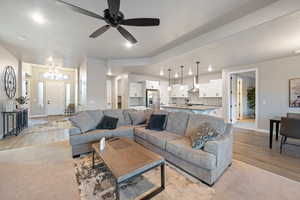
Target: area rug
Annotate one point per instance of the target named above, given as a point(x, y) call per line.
point(98, 183)
point(43, 125)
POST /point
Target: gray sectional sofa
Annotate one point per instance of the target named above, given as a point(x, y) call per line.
point(173, 143)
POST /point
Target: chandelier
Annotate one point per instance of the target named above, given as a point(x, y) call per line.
point(54, 74)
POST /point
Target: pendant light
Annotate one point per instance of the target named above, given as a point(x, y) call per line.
point(181, 82)
point(169, 87)
point(197, 75)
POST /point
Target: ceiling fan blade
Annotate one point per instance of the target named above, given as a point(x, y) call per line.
point(141, 22)
point(79, 10)
point(114, 7)
point(100, 31)
point(127, 35)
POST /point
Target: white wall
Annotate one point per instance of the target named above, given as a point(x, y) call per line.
point(6, 59)
point(272, 89)
point(92, 84)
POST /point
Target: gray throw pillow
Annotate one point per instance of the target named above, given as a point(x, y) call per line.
point(96, 115)
point(204, 134)
point(137, 117)
point(83, 121)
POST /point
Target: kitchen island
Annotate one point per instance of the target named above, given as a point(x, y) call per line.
point(197, 109)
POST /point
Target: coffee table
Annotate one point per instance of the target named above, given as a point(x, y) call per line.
point(127, 159)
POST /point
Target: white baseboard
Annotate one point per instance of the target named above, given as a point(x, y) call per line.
point(254, 129)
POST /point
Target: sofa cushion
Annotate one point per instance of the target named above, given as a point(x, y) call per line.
point(97, 134)
point(127, 118)
point(177, 122)
point(181, 148)
point(117, 114)
point(137, 117)
point(195, 120)
point(97, 116)
point(157, 138)
point(83, 121)
point(148, 113)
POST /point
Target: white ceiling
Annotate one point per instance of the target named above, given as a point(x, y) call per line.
point(65, 33)
point(274, 39)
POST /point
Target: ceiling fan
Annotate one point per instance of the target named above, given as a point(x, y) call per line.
point(114, 18)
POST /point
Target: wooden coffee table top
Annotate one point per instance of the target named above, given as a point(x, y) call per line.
point(125, 157)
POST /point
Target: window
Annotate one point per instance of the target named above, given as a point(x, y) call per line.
point(68, 94)
point(40, 94)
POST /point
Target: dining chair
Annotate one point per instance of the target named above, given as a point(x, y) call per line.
point(290, 128)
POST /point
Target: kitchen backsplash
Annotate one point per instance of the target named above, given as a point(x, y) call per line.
point(195, 99)
point(140, 101)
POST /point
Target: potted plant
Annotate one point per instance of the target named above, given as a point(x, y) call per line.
point(251, 101)
point(22, 100)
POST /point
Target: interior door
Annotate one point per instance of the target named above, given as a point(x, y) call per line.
point(55, 97)
point(233, 98)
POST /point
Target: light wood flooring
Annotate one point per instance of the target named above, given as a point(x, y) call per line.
point(253, 148)
point(249, 146)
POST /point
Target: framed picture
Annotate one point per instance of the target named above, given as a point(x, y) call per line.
point(294, 93)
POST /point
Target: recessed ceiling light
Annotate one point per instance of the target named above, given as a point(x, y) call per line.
point(190, 72)
point(128, 45)
point(210, 68)
point(50, 59)
point(161, 72)
point(38, 18)
point(21, 37)
point(176, 75)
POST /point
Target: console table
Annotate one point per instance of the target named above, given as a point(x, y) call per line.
point(14, 122)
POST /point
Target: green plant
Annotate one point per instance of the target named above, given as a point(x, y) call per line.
point(251, 100)
point(22, 100)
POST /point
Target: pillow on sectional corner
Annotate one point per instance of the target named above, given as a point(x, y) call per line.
point(83, 121)
point(137, 117)
point(108, 123)
point(157, 122)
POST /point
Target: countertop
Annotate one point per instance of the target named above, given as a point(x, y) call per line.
point(194, 107)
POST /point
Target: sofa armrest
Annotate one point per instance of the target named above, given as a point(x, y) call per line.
point(74, 131)
point(222, 148)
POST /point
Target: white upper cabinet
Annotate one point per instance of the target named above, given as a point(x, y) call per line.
point(179, 91)
point(212, 89)
point(164, 93)
point(136, 90)
point(152, 85)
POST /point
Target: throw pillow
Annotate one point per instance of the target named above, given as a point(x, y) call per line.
point(157, 122)
point(204, 134)
point(137, 117)
point(108, 123)
point(83, 121)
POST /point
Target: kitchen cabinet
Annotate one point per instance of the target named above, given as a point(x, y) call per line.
point(211, 89)
point(164, 93)
point(136, 90)
point(179, 91)
point(152, 85)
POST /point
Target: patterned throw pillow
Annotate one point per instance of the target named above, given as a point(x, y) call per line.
point(204, 134)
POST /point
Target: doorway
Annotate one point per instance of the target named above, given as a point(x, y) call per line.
point(243, 99)
point(55, 97)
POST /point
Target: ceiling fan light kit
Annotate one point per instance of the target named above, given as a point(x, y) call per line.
point(114, 19)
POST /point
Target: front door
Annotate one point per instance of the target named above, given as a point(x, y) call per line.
point(55, 97)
